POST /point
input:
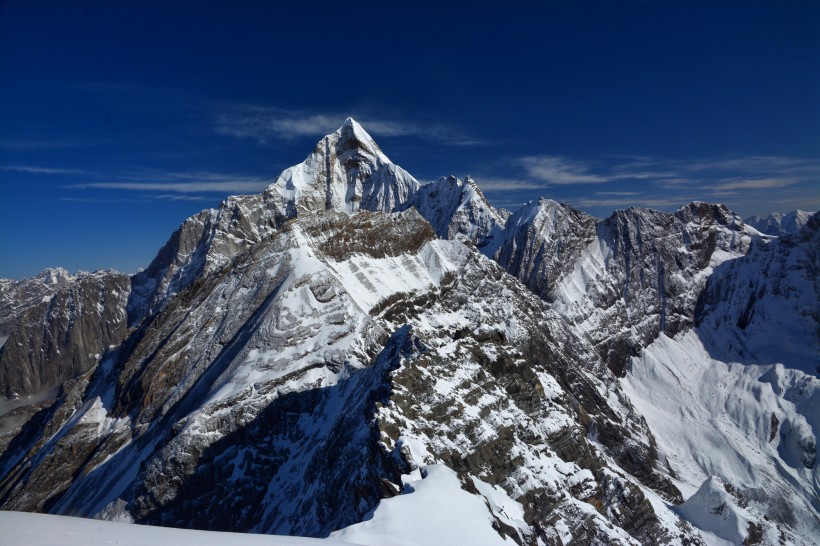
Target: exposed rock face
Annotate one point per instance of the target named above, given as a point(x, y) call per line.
point(493, 393)
point(777, 282)
point(458, 210)
point(17, 296)
point(543, 241)
point(202, 245)
point(780, 224)
point(346, 172)
point(315, 353)
point(65, 334)
point(376, 235)
point(294, 353)
point(623, 280)
point(744, 382)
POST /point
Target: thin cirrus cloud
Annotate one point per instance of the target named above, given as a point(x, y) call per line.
point(555, 170)
point(750, 183)
point(265, 125)
point(754, 184)
point(491, 184)
point(562, 171)
point(782, 164)
point(139, 198)
point(177, 185)
point(718, 174)
point(31, 169)
point(645, 201)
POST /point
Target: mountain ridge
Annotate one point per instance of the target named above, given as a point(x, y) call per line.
point(298, 354)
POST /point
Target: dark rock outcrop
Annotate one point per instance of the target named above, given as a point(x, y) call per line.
point(66, 334)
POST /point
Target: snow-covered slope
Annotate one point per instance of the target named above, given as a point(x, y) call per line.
point(346, 172)
point(753, 426)
point(433, 510)
point(737, 399)
point(46, 530)
point(340, 352)
point(543, 240)
point(773, 289)
point(289, 392)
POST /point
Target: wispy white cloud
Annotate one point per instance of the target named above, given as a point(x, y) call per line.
point(176, 185)
point(25, 144)
point(31, 169)
point(140, 198)
point(753, 184)
point(100, 200)
point(266, 124)
point(560, 171)
point(180, 197)
point(675, 182)
point(710, 175)
point(490, 184)
point(179, 187)
point(639, 201)
point(783, 164)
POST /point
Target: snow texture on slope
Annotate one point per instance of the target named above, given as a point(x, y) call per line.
point(346, 172)
point(435, 511)
point(298, 357)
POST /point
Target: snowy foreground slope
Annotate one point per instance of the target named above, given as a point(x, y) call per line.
point(354, 355)
point(434, 510)
point(46, 530)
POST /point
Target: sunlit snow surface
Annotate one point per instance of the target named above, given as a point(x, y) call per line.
point(713, 420)
point(434, 510)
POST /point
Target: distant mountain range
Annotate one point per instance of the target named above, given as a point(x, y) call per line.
point(354, 353)
point(780, 224)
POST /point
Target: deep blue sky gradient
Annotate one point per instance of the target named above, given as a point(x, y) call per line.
point(120, 119)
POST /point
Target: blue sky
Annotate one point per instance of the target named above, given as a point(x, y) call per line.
point(120, 119)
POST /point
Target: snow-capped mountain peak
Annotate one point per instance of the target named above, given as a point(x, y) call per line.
point(347, 171)
point(353, 134)
point(293, 360)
